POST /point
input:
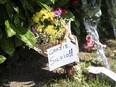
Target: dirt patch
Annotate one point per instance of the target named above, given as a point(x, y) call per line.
point(25, 72)
point(29, 69)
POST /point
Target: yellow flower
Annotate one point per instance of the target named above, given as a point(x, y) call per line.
point(46, 24)
point(40, 15)
point(43, 11)
point(63, 30)
point(54, 31)
point(35, 18)
point(54, 22)
point(62, 21)
point(45, 16)
point(39, 27)
point(50, 30)
point(51, 15)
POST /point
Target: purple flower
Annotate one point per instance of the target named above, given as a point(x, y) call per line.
point(58, 12)
point(33, 30)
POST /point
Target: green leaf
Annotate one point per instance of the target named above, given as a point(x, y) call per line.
point(28, 38)
point(53, 1)
point(27, 5)
point(30, 7)
point(61, 3)
point(24, 3)
point(69, 16)
point(2, 59)
point(9, 9)
point(19, 21)
point(7, 45)
point(3, 1)
point(43, 5)
point(77, 23)
point(46, 6)
point(18, 42)
point(15, 7)
point(9, 29)
point(21, 30)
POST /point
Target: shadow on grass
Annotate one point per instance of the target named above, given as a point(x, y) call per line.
point(28, 65)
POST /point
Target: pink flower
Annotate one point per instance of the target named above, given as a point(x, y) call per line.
point(89, 44)
point(57, 12)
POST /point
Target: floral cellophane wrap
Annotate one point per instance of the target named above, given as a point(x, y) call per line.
point(42, 49)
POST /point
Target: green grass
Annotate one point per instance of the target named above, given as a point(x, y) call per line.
point(85, 79)
point(98, 82)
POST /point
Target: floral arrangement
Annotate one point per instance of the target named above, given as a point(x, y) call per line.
point(48, 25)
point(89, 44)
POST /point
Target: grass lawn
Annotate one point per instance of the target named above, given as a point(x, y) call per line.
point(33, 71)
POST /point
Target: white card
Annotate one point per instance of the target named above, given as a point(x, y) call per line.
point(60, 56)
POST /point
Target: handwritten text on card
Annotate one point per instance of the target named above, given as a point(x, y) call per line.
point(60, 56)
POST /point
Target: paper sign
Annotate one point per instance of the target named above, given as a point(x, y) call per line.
point(61, 55)
point(97, 70)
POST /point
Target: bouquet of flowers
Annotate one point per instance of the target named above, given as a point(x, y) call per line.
point(48, 25)
point(50, 28)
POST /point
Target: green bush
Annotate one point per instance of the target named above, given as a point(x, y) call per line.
point(16, 23)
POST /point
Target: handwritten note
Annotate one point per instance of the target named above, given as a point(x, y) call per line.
point(60, 56)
